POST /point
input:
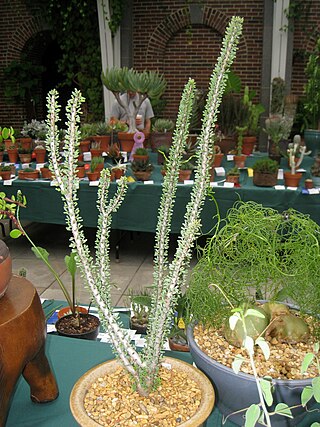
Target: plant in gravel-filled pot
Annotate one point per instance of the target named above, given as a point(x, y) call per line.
point(296, 153)
point(265, 172)
point(141, 169)
point(123, 82)
point(161, 133)
point(257, 254)
point(141, 372)
point(5, 172)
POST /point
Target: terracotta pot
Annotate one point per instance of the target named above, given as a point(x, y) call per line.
point(84, 146)
point(265, 179)
point(308, 183)
point(233, 178)
point(177, 347)
point(96, 152)
point(160, 138)
point(217, 160)
point(46, 173)
point(142, 176)
point(184, 175)
point(1, 156)
point(292, 180)
point(81, 173)
point(25, 158)
point(240, 161)
point(248, 144)
point(227, 144)
point(126, 141)
point(7, 144)
point(28, 175)
point(65, 311)
point(118, 173)
point(104, 141)
point(82, 385)
point(140, 158)
point(25, 143)
point(99, 167)
point(93, 176)
point(13, 155)
point(5, 175)
point(87, 335)
point(40, 155)
point(5, 267)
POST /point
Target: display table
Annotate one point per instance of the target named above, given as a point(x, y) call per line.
point(70, 358)
point(139, 210)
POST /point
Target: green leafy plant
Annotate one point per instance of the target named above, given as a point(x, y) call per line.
point(141, 166)
point(251, 113)
point(233, 172)
point(146, 84)
point(7, 133)
point(266, 166)
point(163, 125)
point(278, 128)
point(103, 128)
point(95, 162)
point(141, 151)
point(4, 168)
point(312, 89)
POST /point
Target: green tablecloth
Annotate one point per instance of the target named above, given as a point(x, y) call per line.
point(139, 210)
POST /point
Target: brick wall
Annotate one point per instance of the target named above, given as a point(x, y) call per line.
point(164, 38)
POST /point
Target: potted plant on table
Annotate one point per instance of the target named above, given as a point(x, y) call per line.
point(46, 172)
point(25, 155)
point(145, 367)
point(1, 151)
point(296, 153)
point(265, 172)
point(28, 174)
point(145, 84)
point(257, 253)
point(233, 175)
point(239, 157)
point(5, 172)
point(141, 169)
point(315, 172)
point(141, 154)
point(7, 136)
point(251, 117)
point(13, 154)
point(278, 128)
point(140, 305)
point(161, 133)
point(40, 153)
point(102, 135)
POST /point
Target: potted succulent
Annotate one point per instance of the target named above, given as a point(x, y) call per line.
point(25, 154)
point(81, 173)
point(178, 335)
point(257, 253)
point(12, 151)
point(240, 158)
point(233, 175)
point(265, 172)
point(145, 367)
point(40, 153)
point(46, 172)
point(5, 172)
point(140, 305)
point(35, 129)
point(315, 172)
point(28, 173)
point(93, 174)
point(311, 104)
point(146, 84)
point(296, 153)
point(250, 120)
point(161, 133)
point(185, 171)
point(102, 135)
point(141, 154)
point(141, 169)
point(7, 136)
point(278, 128)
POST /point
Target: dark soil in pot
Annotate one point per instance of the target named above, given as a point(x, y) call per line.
point(85, 326)
point(139, 325)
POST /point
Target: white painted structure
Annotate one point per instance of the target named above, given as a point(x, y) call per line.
point(279, 40)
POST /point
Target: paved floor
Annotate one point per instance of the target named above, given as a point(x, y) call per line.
point(133, 271)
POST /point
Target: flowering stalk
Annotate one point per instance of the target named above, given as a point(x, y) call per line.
point(167, 277)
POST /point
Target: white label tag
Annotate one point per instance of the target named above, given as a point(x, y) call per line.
point(39, 166)
point(93, 183)
point(87, 156)
point(230, 157)
point(313, 191)
point(148, 182)
point(279, 187)
point(280, 173)
point(220, 171)
point(228, 184)
point(188, 182)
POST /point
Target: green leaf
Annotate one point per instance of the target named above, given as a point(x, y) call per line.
point(248, 344)
point(266, 390)
point(71, 264)
point(306, 395)
point(315, 425)
point(262, 343)
point(255, 313)
point(236, 364)
point(233, 320)
point(308, 358)
point(252, 416)
point(316, 347)
point(283, 409)
point(40, 253)
point(316, 388)
point(15, 233)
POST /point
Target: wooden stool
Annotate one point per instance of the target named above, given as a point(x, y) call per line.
point(22, 345)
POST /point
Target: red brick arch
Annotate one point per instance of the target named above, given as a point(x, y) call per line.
point(179, 20)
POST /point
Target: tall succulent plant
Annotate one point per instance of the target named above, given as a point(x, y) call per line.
point(168, 276)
